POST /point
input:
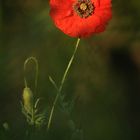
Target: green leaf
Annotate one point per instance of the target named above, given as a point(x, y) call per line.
point(53, 83)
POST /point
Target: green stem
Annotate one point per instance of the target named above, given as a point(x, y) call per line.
point(36, 79)
point(36, 74)
point(62, 83)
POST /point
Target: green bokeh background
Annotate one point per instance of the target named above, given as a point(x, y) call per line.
point(105, 75)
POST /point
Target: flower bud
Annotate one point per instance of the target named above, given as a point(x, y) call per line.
point(28, 99)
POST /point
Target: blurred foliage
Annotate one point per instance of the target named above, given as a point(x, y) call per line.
point(105, 77)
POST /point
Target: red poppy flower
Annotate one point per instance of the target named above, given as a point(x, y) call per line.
point(80, 18)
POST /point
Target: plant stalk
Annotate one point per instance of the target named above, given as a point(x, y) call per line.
point(62, 83)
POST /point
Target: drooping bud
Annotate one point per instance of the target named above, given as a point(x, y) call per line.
point(28, 99)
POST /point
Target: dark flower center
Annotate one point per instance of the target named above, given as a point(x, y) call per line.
point(84, 8)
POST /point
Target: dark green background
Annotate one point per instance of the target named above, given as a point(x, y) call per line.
point(105, 75)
